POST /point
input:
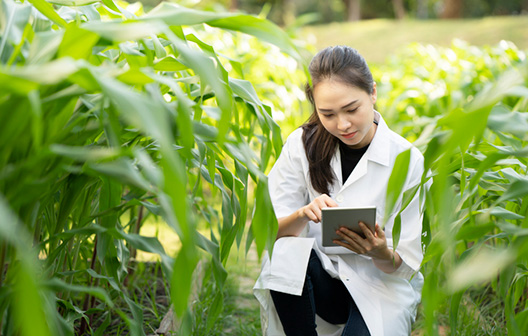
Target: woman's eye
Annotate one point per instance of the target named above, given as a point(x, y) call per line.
point(352, 110)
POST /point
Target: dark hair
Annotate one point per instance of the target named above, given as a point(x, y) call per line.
point(340, 63)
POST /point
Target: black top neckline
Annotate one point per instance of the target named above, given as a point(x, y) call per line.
point(350, 158)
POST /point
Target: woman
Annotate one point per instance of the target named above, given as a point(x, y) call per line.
point(343, 156)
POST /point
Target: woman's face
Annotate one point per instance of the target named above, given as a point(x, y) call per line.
point(346, 112)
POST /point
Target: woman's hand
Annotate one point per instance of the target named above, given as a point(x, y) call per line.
point(373, 245)
point(313, 212)
point(293, 225)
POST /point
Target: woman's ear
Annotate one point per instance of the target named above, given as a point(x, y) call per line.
point(374, 95)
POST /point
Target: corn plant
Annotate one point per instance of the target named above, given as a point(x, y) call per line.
point(466, 107)
point(108, 116)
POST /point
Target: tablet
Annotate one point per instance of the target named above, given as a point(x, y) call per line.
point(334, 218)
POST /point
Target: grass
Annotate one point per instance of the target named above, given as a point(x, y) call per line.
point(377, 39)
point(146, 287)
point(241, 313)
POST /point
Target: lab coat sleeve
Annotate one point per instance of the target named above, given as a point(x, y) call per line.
point(286, 180)
point(410, 244)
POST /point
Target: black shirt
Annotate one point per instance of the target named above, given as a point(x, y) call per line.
point(350, 158)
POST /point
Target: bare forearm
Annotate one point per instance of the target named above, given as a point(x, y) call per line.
point(291, 225)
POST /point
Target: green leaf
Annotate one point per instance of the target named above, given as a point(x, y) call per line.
point(17, 85)
point(181, 281)
point(481, 265)
point(77, 42)
point(123, 170)
point(109, 198)
point(26, 291)
point(140, 110)
point(49, 73)
point(28, 301)
point(73, 2)
point(134, 77)
point(211, 74)
point(396, 182)
point(48, 11)
point(94, 153)
point(123, 31)
point(502, 213)
point(260, 28)
point(169, 63)
point(474, 232)
point(396, 231)
point(502, 119)
point(264, 222)
point(517, 189)
point(136, 322)
point(110, 4)
point(16, 16)
point(173, 14)
point(110, 280)
point(59, 285)
point(214, 310)
point(453, 311)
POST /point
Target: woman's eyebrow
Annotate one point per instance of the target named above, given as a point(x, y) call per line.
point(342, 107)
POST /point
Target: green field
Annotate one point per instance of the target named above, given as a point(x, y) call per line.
point(378, 39)
point(130, 137)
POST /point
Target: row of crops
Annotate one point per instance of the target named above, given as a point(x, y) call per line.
point(466, 109)
point(111, 118)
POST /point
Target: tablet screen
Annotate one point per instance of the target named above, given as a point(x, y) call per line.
point(334, 218)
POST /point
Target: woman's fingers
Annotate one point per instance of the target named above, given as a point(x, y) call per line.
point(324, 201)
point(352, 240)
point(313, 210)
point(311, 213)
point(380, 232)
point(328, 201)
point(348, 243)
point(366, 231)
point(352, 247)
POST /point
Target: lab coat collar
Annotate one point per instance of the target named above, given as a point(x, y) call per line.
point(378, 151)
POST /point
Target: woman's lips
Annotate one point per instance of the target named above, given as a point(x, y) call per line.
point(349, 135)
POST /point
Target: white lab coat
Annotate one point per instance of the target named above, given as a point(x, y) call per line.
point(387, 302)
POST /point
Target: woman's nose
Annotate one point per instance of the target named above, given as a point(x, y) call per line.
point(343, 123)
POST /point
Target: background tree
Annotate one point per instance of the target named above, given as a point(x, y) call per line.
point(452, 9)
point(399, 9)
point(353, 10)
point(288, 12)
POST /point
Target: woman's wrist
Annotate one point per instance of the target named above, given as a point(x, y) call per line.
point(388, 262)
point(385, 255)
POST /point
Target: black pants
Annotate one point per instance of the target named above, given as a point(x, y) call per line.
point(321, 295)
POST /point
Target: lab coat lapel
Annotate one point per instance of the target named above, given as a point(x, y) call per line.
point(359, 171)
point(335, 165)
